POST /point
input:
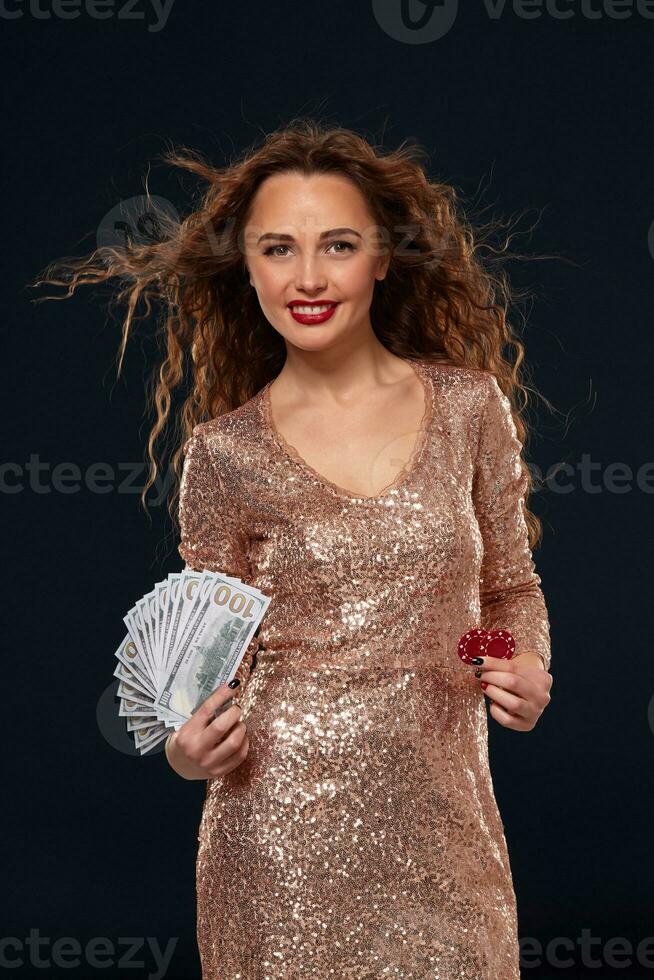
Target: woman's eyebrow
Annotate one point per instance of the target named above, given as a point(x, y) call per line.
point(324, 234)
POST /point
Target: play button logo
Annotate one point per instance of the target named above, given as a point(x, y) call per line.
point(415, 21)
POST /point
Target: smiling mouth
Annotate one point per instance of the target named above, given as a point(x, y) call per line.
point(310, 309)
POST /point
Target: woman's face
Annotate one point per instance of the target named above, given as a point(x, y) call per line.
point(319, 245)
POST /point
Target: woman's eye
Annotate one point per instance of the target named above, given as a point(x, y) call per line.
point(347, 245)
point(272, 249)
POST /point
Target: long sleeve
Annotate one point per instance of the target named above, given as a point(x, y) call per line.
point(509, 587)
point(213, 533)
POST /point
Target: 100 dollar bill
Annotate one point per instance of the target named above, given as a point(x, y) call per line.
point(211, 644)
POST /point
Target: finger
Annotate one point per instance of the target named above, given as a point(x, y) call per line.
point(204, 714)
point(224, 707)
point(510, 702)
point(529, 689)
point(493, 663)
point(216, 731)
point(234, 760)
point(510, 681)
point(230, 745)
point(508, 720)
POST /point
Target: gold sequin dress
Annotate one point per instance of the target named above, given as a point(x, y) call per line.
point(360, 838)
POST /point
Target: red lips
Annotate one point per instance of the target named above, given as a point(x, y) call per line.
point(479, 642)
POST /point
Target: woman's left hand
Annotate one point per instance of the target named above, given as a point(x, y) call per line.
point(519, 690)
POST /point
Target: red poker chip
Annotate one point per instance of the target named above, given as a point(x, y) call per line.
point(478, 642)
point(472, 644)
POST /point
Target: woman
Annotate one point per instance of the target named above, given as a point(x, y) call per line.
point(351, 449)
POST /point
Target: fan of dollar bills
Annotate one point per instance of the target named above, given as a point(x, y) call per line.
point(185, 638)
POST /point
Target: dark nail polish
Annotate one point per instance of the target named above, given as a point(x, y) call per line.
point(477, 672)
point(234, 683)
point(477, 660)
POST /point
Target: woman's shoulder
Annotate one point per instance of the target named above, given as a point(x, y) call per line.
point(459, 379)
point(463, 393)
point(231, 430)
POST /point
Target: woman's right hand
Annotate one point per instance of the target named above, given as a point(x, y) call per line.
point(207, 746)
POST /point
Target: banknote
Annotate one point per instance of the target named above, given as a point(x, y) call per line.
point(185, 638)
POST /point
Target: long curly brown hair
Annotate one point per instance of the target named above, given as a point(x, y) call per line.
point(439, 299)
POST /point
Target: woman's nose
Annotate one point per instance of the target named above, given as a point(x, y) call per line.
point(309, 276)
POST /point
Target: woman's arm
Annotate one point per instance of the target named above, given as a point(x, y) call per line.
point(509, 588)
point(213, 536)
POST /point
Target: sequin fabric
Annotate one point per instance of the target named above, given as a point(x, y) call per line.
point(360, 838)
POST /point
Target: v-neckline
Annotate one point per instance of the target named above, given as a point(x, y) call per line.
point(406, 471)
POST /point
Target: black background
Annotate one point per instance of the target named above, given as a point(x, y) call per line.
point(542, 117)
